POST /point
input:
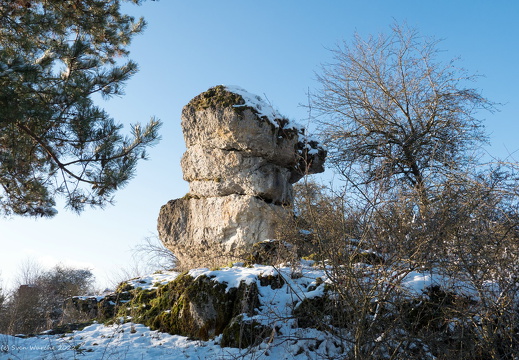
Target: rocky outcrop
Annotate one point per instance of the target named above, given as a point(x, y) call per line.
point(190, 304)
point(241, 160)
point(196, 307)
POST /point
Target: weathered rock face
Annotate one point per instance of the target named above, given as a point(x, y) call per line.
point(215, 230)
point(241, 160)
point(235, 173)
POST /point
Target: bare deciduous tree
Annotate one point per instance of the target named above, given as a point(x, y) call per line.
point(392, 110)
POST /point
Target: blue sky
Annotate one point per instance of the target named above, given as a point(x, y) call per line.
point(270, 48)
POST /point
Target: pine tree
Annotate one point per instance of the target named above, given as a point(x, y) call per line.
point(54, 141)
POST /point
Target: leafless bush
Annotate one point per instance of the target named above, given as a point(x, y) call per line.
point(37, 303)
point(155, 255)
point(468, 235)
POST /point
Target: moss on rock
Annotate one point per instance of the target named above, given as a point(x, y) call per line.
point(199, 308)
point(217, 97)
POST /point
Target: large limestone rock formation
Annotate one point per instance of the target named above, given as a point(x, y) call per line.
point(241, 160)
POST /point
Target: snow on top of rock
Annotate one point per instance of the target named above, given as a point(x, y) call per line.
point(413, 282)
point(416, 283)
point(256, 102)
point(87, 297)
point(265, 109)
point(232, 277)
point(152, 281)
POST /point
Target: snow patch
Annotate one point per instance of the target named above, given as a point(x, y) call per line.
point(150, 282)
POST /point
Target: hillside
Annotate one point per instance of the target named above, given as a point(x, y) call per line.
point(284, 324)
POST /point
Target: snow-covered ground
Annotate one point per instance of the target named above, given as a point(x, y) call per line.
point(135, 341)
